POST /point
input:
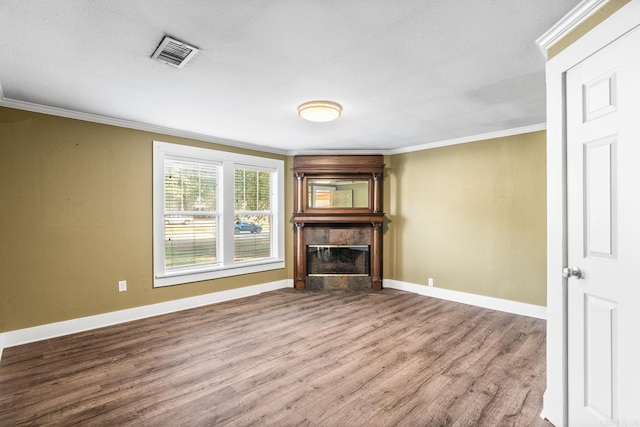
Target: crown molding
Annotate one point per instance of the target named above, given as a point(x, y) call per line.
point(472, 138)
point(336, 152)
point(568, 23)
point(96, 118)
point(436, 144)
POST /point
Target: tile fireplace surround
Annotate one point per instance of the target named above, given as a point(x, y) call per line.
point(338, 222)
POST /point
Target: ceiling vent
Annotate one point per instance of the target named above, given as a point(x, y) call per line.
point(174, 52)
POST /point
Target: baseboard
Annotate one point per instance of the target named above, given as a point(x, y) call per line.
point(52, 330)
point(499, 304)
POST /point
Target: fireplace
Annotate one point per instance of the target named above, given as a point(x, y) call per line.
point(338, 222)
point(335, 255)
point(342, 260)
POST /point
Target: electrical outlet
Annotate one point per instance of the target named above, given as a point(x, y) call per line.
point(122, 285)
point(430, 281)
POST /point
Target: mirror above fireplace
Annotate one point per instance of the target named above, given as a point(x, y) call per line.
point(324, 193)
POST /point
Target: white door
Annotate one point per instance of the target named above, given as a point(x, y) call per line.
point(603, 208)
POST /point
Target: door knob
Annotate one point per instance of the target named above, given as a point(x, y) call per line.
point(568, 272)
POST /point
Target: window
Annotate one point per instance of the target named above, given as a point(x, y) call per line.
point(216, 214)
point(252, 213)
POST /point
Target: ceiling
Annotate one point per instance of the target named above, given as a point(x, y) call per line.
point(408, 73)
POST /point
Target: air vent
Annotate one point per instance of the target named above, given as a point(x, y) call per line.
point(174, 52)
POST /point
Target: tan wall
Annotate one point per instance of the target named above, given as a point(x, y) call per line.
point(472, 216)
point(76, 217)
point(607, 10)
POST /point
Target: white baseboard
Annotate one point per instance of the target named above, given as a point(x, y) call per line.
point(52, 330)
point(499, 304)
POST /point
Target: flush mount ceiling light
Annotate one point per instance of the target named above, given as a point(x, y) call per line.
point(320, 111)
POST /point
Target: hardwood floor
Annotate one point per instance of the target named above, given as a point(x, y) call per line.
point(287, 358)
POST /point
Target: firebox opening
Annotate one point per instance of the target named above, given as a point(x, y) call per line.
point(344, 260)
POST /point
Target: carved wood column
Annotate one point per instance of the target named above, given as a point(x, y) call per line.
point(376, 256)
point(377, 193)
point(300, 255)
point(297, 194)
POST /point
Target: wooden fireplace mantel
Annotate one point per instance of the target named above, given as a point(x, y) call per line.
point(337, 219)
point(359, 223)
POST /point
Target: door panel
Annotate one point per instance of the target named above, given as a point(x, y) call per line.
point(603, 225)
point(600, 161)
point(601, 355)
point(600, 96)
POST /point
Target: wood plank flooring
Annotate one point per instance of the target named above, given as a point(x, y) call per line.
point(287, 358)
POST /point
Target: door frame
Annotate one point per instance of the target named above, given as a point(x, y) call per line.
point(555, 402)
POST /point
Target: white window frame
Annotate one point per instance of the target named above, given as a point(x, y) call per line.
point(226, 265)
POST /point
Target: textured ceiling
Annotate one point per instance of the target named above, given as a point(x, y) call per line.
point(407, 73)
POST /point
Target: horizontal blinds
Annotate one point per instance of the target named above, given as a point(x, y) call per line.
point(253, 214)
point(190, 214)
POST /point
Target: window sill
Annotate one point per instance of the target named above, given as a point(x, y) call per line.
point(189, 276)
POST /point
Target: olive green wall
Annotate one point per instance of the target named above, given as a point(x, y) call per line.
point(603, 13)
point(471, 216)
point(76, 217)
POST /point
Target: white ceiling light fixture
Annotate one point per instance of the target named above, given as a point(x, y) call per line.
point(174, 52)
point(320, 111)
